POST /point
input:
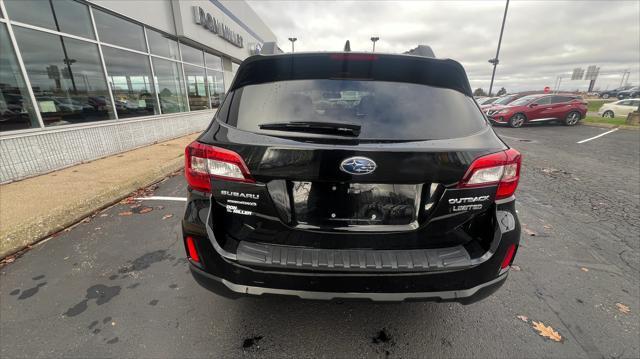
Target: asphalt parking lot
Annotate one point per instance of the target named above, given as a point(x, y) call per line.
point(117, 285)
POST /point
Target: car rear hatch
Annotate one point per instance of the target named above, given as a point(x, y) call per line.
point(325, 152)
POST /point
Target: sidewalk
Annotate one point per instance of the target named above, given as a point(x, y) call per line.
point(34, 208)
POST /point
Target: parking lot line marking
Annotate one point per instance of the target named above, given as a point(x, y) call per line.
point(162, 198)
point(600, 135)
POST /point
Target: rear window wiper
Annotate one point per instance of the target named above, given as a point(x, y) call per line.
point(328, 128)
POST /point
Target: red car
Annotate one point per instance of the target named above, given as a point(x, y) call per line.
point(537, 108)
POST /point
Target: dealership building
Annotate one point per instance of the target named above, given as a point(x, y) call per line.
point(80, 80)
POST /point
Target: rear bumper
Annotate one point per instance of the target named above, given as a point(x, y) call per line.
point(234, 274)
point(232, 290)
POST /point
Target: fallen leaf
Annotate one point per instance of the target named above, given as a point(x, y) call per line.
point(529, 232)
point(145, 210)
point(135, 205)
point(546, 331)
point(547, 226)
point(623, 308)
point(159, 207)
point(584, 269)
point(167, 216)
point(98, 228)
point(86, 220)
point(125, 213)
point(523, 318)
point(515, 268)
point(104, 215)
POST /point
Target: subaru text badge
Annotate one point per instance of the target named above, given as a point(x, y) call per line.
point(358, 165)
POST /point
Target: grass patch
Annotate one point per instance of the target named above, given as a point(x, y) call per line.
point(594, 105)
point(610, 121)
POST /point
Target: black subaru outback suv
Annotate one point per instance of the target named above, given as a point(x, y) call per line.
point(351, 176)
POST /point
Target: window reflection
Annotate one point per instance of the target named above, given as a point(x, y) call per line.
point(130, 79)
point(66, 77)
point(191, 55)
point(169, 83)
point(196, 88)
point(61, 15)
point(215, 83)
point(213, 62)
point(117, 31)
point(215, 79)
point(162, 45)
point(16, 110)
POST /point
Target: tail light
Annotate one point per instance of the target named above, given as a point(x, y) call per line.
point(191, 250)
point(501, 168)
point(508, 257)
point(204, 162)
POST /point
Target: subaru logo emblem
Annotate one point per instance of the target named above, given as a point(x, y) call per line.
point(358, 165)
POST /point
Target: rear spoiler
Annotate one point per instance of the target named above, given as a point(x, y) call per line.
point(443, 73)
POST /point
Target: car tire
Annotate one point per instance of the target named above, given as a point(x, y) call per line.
point(608, 114)
point(517, 120)
point(606, 95)
point(572, 118)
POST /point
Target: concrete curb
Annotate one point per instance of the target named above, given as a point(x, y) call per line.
point(608, 125)
point(31, 232)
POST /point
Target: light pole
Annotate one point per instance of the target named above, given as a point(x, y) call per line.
point(292, 39)
point(374, 39)
point(495, 60)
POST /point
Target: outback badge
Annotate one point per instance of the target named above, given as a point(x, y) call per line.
point(358, 165)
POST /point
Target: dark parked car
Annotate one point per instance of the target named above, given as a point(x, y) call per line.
point(486, 100)
point(614, 92)
point(500, 101)
point(538, 108)
point(633, 92)
point(396, 189)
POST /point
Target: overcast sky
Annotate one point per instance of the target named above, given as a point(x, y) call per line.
point(542, 39)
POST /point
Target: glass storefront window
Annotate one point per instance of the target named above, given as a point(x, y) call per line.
point(213, 61)
point(117, 31)
point(61, 15)
point(215, 83)
point(196, 87)
point(169, 83)
point(66, 77)
point(162, 45)
point(130, 79)
point(234, 67)
point(191, 55)
point(16, 109)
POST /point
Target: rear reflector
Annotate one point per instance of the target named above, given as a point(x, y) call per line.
point(501, 168)
point(508, 257)
point(204, 162)
point(191, 249)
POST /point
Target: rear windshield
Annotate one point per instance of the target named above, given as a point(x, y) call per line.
point(384, 110)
